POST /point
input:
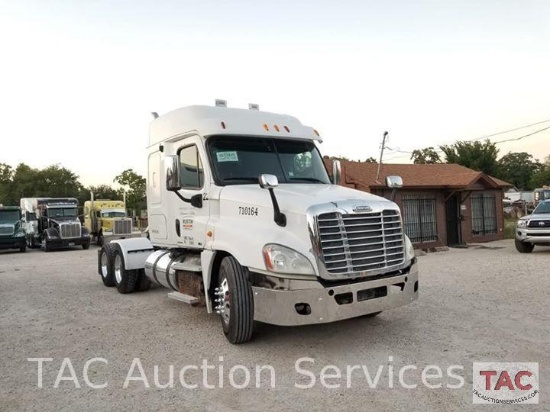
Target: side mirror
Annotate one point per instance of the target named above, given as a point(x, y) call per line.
point(268, 181)
point(173, 173)
point(537, 196)
point(394, 182)
point(336, 172)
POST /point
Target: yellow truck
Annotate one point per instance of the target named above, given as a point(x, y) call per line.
point(108, 220)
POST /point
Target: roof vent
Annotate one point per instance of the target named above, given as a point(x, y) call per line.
point(221, 103)
point(253, 106)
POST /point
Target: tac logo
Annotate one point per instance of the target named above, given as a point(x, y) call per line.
point(506, 382)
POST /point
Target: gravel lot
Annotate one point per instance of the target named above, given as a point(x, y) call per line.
point(483, 303)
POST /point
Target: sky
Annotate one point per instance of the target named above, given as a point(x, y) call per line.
point(79, 79)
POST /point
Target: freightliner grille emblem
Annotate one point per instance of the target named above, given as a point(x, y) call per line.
point(362, 208)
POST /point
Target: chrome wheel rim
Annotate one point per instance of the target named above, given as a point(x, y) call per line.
point(118, 269)
point(104, 264)
point(225, 304)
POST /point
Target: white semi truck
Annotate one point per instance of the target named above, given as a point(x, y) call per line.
point(244, 220)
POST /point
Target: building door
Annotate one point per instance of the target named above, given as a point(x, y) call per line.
point(452, 212)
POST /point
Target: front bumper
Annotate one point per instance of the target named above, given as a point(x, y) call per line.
point(330, 304)
point(12, 242)
point(63, 243)
point(533, 235)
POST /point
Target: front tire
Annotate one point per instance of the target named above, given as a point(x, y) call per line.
point(23, 248)
point(125, 280)
point(106, 265)
point(524, 247)
point(86, 246)
point(235, 301)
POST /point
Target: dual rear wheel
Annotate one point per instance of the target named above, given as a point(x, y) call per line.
point(112, 270)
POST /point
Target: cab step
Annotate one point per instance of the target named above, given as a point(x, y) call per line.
point(187, 266)
point(182, 297)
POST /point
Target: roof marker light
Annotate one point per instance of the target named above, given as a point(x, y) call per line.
point(276, 127)
point(316, 132)
point(266, 127)
point(221, 103)
point(223, 125)
point(287, 129)
point(253, 106)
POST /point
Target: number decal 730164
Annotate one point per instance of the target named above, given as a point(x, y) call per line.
point(248, 211)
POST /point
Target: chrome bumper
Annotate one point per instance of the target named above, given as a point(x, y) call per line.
point(107, 237)
point(278, 307)
point(533, 235)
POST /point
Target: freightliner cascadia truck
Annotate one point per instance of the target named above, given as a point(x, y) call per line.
point(244, 220)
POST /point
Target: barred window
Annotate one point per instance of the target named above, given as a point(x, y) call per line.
point(484, 219)
point(419, 218)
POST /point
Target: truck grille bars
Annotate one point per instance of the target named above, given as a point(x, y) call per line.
point(7, 230)
point(69, 230)
point(122, 227)
point(352, 243)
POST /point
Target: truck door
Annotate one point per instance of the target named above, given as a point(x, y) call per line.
point(190, 224)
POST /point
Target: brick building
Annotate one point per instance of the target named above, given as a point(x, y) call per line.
point(442, 204)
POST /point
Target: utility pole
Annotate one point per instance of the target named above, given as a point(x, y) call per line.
point(381, 154)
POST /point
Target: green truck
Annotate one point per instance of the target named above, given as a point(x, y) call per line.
point(12, 234)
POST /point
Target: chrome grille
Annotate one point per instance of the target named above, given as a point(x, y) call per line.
point(360, 242)
point(7, 230)
point(69, 230)
point(539, 223)
point(122, 227)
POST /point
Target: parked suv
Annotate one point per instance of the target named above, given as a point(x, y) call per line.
point(534, 229)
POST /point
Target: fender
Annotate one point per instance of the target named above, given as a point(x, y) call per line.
point(135, 251)
point(207, 261)
point(51, 233)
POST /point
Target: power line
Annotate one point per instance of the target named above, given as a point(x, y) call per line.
point(398, 150)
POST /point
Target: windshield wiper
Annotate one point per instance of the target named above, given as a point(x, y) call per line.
point(308, 179)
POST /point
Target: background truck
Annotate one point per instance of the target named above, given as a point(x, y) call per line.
point(243, 219)
point(534, 229)
point(53, 223)
point(106, 220)
point(12, 234)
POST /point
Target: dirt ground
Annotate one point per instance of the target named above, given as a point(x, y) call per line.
point(477, 304)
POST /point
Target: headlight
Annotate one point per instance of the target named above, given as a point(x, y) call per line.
point(522, 223)
point(281, 259)
point(409, 249)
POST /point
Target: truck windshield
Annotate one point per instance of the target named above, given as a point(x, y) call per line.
point(241, 160)
point(113, 213)
point(9, 216)
point(543, 207)
point(62, 212)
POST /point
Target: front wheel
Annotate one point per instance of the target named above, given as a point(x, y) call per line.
point(524, 247)
point(23, 248)
point(86, 246)
point(234, 301)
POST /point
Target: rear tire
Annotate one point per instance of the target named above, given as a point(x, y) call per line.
point(125, 280)
point(105, 265)
point(143, 282)
point(524, 247)
point(237, 301)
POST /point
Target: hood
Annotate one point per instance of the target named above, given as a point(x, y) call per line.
point(297, 198)
point(536, 216)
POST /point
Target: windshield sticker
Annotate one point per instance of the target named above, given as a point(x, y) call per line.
point(227, 156)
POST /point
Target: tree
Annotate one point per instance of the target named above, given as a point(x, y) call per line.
point(541, 177)
point(425, 156)
point(6, 175)
point(518, 169)
point(474, 155)
point(134, 185)
point(371, 160)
